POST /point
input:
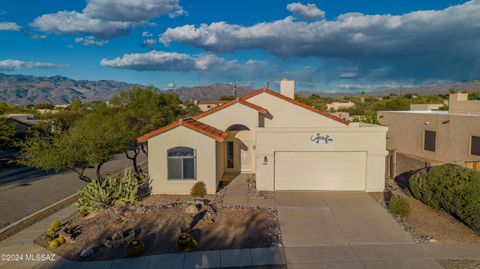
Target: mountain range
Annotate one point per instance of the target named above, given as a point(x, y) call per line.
point(23, 89)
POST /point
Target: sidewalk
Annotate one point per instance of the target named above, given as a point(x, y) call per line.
point(22, 243)
point(237, 194)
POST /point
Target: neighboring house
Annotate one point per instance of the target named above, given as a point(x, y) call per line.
point(420, 138)
point(207, 105)
point(334, 106)
point(287, 144)
point(427, 106)
point(28, 119)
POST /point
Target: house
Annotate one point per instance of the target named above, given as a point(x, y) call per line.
point(420, 138)
point(287, 144)
point(342, 115)
point(205, 105)
point(334, 106)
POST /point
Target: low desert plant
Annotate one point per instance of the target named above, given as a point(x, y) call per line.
point(452, 188)
point(199, 189)
point(185, 242)
point(104, 193)
point(134, 248)
point(399, 205)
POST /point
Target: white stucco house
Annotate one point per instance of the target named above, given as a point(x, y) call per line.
point(287, 144)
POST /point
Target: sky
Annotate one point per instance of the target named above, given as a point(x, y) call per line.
point(327, 45)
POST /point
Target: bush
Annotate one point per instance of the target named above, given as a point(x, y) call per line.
point(399, 206)
point(199, 189)
point(104, 193)
point(452, 188)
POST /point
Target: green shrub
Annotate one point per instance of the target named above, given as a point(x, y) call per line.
point(452, 188)
point(104, 193)
point(399, 206)
point(199, 189)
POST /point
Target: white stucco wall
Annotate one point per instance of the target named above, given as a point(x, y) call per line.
point(206, 161)
point(281, 139)
point(286, 114)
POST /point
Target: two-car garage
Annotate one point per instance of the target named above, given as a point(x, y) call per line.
point(319, 170)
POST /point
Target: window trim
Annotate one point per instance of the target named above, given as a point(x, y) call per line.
point(194, 157)
point(471, 145)
point(425, 140)
point(233, 154)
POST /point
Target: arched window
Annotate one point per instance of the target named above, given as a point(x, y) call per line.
point(181, 163)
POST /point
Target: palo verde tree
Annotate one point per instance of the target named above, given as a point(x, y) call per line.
point(141, 110)
point(7, 134)
point(93, 140)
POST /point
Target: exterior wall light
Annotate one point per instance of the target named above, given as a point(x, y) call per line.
point(265, 160)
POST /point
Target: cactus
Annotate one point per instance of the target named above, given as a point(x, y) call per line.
point(61, 240)
point(53, 244)
point(55, 225)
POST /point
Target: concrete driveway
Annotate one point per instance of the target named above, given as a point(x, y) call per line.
point(344, 230)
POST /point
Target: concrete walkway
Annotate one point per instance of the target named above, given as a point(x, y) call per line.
point(237, 193)
point(344, 230)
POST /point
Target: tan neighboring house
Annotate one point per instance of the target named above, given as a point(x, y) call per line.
point(334, 106)
point(205, 105)
point(421, 138)
point(287, 144)
point(342, 115)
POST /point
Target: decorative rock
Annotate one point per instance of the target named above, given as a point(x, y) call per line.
point(87, 252)
point(191, 210)
point(199, 204)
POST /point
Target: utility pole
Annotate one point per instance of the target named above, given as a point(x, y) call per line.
point(235, 89)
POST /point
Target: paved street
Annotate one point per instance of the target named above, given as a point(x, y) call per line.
point(28, 192)
point(344, 230)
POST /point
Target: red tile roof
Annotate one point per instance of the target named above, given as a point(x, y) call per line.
point(229, 103)
point(293, 101)
point(190, 123)
point(211, 102)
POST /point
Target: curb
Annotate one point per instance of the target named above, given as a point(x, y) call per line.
point(31, 219)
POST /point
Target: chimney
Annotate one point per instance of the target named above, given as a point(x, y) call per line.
point(287, 88)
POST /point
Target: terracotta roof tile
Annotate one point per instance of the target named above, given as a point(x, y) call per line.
point(192, 124)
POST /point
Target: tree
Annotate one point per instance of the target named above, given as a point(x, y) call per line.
point(141, 110)
point(93, 140)
point(7, 134)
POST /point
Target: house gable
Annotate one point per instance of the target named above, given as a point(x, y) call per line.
point(236, 113)
point(287, 112)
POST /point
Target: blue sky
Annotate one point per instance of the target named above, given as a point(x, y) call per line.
point(327, 45)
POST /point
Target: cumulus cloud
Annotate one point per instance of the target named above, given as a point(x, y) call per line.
point(181, 62)
point(10, 65)
point(171, 85)
point(10, 26)
point(149, 43)
point(106, 19)
point(146, 34)
point(90, 41)
point(420, 45)
point(306, 11)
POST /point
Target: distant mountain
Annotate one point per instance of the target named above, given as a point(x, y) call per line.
point(431, 89)
point(21, 89)
point(210, 92)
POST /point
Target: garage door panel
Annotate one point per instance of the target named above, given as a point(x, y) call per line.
point(320, 170)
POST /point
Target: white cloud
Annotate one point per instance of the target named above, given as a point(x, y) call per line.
point(306, 11)
point(106, 19)
point(148, 43)
point(171, 85)
point(146, 34)
point(176, 62)
point(419, 45)
point(10, 26)
point(90, 41)
point(10, 65)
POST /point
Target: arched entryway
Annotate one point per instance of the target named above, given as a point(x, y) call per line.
point(239, 149)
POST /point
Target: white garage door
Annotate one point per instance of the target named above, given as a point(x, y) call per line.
point(320, 170)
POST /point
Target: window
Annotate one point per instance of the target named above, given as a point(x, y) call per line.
point(475, 145)
point(181, 163)
point(230, 161)
point(429, 141)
